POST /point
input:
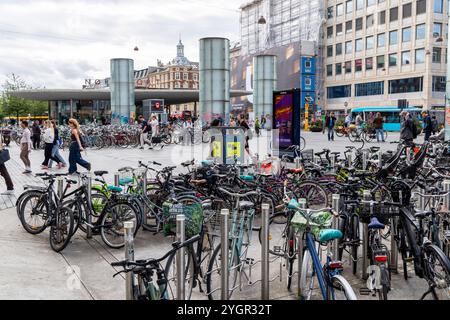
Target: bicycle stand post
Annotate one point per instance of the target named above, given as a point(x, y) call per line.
point(89, 201)
point(302, 204)
point(129, 256)
point(335, 225)
point(60, 186)
point(117, 179)
point(394, 250)
point(181, 237)
point(365, 231)
point(225, 213)
point(380, 159)
point(297, 163)
point(365, 155)
point(265, 293)
point(446, 185)
point(144, 182)
point(349, 159)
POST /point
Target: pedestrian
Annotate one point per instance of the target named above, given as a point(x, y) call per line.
point(4, 171)
point(263, 122)
point(55, 150)
point(378, 126)
point(49, 139)
point(348, 120)
point(257, 127)
point(25, 147)
point(330, 122)
point(427, 125)
point(247, 133)
point(406, 131)
point(187, 128)
point(36, 130)
point(145, 129)
point(154, 124)
point(435, 125)
point(76, 147)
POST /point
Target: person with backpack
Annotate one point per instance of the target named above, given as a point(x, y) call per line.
point(428, 125)
point(408, 131)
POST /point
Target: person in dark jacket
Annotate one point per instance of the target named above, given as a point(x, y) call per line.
point(330, 122)
point(427, 125)
point(406, 131)
point(378, 126)
point(36, 131)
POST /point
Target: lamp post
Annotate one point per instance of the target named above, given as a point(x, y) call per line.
point(261, 22)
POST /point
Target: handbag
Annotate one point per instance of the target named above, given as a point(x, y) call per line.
point(4, 156)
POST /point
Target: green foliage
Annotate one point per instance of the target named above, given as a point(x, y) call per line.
point(318, 124)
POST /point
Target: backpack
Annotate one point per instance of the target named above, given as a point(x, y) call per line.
point(414, 130)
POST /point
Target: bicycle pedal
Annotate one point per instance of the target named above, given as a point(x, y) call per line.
point(250, 261)
point(277, 249)
point(365, 291)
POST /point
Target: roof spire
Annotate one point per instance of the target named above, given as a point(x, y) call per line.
point(180, 48)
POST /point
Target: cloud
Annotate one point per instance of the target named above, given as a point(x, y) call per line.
point(58, 44)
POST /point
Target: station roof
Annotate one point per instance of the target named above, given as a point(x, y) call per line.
point(170, 96)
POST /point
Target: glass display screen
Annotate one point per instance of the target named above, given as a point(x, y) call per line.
point(284, 116)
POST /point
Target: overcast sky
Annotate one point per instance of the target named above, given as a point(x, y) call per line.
point(59, 43)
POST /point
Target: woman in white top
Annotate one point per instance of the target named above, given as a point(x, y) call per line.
point(49, 138)
point(25, 146)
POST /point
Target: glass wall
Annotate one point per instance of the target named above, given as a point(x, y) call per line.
point(85, 111)
point(369, 89)
point(339, 92)
point(406, 85)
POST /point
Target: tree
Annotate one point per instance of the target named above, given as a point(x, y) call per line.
point(12, 106)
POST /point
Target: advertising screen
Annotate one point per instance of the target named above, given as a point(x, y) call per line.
point(284, 118)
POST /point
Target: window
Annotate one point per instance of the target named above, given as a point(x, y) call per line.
point(393, 37)
point(369, 43)
point(369, 89)
point(420, 56)
point(439, 84)
point(369, 63)
point(358, 24)
point(393, 14)
point(338, 49)
point(358, 45)
point(438, 6)
point(393, 60)
point(195, 77)
point(437, 30)
point(370, 2)
point(329, 51)
point(339, 92)
point(177, 76)
point(329, 70)
point(437, 55)
point(348, 67)
point(380, 62)
point(349, 6)
point(406, 85)
point(348, 26)
point(369, 21)
point(359, 4)
point(330, 32)
point(381, 40)
point(330, 11)
point(185, 76)
point(338, 68)
point(339, 9)
point(349, 47)
point(421, 7)
point(420, 31)
point(406, 58)
point(339, 29)
point(382, 17)
point(407, 8)
point(381, 1)
point(358, 65)
point(406, 34)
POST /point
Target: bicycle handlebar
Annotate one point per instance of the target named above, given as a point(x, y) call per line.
point(238, 195)
point(432, 195)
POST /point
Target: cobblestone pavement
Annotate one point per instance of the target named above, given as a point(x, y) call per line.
point(29, 269)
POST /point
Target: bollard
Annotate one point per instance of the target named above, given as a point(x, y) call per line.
point(60, 186)
point(317, 160)
point(394, 250)
point(349, 159)
point(265, 293)
point(446, 186)
point(335, 225)
point(300, 245)
point(365, 156)
point(333, 163)
point(297, 163)
point(144, 182)
point(89, 201)
point(365, 263)
point(380, 159)
point(181, 219)
point(117, 180)
point(129, 256)
point(421, 199)
point(225, 213)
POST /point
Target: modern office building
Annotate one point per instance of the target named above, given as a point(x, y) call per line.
point(380, 51)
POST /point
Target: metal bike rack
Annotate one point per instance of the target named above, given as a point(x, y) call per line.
point(302, 203)
point(181, 237)
point(335, 225)
point(129, 256)
point(117, 179)
point(446, 185)
point(60, 186)
point(365, 159)
point(89, 201)
point(225, 213)
point(394, 249)
point(144, 182)
point(297, 163)
point(316, 160)
point(365, 230)
point(349, 159)
point(380, 159)
point(265, 293)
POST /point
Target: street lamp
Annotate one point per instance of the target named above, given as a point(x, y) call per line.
point(262, 20)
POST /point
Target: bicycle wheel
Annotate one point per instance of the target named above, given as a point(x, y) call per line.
point(213, 275)
point(355, 243)
point(291, 251)
point(112, 222)
point(34, 212)
point(189, 274)
point(315, 195)
point(61, 230)
point(302, 143)
point(339, 133)
point(353, 136)
point(438, 271)
point(368, 137)
point(307, 277)
point(277, 238)
point(342, 290)
point(206, 137)
point(167, 139)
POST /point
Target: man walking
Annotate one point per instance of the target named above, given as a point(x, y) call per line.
point(330, 122)
point(36, 130)
point(378, 126)
point(428, 125)
point(406, 131)
point(145, 129)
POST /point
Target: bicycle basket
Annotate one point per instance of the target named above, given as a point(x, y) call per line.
point(316, 222)
point(194, 218)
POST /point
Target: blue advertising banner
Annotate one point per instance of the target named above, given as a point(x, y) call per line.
point(308, 65)
point(308, 83)
point(308, 97)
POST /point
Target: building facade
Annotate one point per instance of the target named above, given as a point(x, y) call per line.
point(380, 51)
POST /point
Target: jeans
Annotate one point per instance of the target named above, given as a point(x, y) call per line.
point(36, 141)
point(4, 173)
point(48, 154)
point(380, 133)
point(143, 139)
point(330, 134)
point(75, 158)
point(427, 135)
point(57, 155)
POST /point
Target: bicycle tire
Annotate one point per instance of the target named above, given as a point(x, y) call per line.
point(290, 259)
point(315, 195)
point(307, 276)
point(355, 246)
point(107, 221)
point(62, 226)
point(341, 284)
point(189, 274)
point(434, 255)
point(42, 203)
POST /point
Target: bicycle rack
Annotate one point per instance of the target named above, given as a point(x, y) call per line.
point(181, 237)
point(129, 256)
point(335, 225)
point(117, 179)
point(446, 185)
point(225, 253)
point(89, 201)
point(265, 293)
point(365, 231)
point(302, 205)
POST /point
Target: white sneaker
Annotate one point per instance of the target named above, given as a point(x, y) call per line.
point(8, 193)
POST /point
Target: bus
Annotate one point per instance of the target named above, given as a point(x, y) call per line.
point(391, 115)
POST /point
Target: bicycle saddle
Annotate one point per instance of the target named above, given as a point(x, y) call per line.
point(422, 214)
point(376, 224)
point(375, 149)
point(245, 205)
point(330, 235)
point(114, 189)
point(247, 178)
point(295, 171)
point(100, 173)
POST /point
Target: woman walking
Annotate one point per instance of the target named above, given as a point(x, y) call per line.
point(49, 138)
point(5, 174)
point(75, 148)
point(25, 147)
point(55, 150)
